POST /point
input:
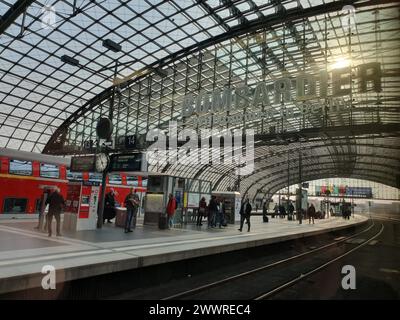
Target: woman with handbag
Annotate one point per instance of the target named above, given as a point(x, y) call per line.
point(202, 211)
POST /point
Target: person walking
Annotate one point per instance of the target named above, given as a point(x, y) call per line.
point(132, 204)
point(171, 207)
point(56, 202)
point(202, 211)
point(245, 212)
point(311, 213)
point(109, 206)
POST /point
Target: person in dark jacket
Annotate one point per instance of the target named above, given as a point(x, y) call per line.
point(132, 205)
point(311, 213)
point(56, 203)
point(282, 211)
point(212, 211)
point(202, 211)
point(290, 210)
point(109, 206)
point(245, 212)
point(276, 210)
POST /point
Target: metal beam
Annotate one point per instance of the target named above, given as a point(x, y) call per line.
point(265, 22)
point(13, 13)
point(282, 179)
point(321, 164)
point(369, 177)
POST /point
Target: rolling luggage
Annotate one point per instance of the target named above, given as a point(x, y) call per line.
point(265, 218)
point(163, 222)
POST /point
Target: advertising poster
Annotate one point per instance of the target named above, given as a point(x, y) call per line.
point(193, 200)
point(73, 196)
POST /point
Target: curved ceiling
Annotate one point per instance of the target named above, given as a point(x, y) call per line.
point(179, 47)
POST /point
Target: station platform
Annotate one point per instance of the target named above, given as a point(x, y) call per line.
point(24, 251)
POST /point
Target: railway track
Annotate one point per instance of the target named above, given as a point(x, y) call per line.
point(201, 291)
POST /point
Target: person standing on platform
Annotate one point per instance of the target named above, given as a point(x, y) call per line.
point(42, 210)
point(171, 207)
point(276, 210)
point(220, 213)
point(311, 213)
point(109, 206)
point(56, 202)
point(132, 204)
point(265, 211)
point(290, 210)
point(202, 211)
point(212, 211)
point(245, 212)
point(282, 211)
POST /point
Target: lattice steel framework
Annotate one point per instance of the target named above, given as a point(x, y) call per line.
point(202, 46)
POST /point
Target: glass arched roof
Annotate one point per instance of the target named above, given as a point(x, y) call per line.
point(201, 45)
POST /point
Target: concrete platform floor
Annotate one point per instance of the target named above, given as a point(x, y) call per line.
point(24, 251)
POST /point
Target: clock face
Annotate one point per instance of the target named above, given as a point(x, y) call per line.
point(101, 162)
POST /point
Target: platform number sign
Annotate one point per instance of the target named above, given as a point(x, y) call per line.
point(130, 142)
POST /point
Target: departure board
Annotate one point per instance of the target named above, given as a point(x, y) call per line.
point(83, 164)
point(126, 162)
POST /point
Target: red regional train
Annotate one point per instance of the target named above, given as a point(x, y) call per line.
point(24, 177)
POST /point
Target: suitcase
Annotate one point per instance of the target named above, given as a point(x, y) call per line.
point(265, 218)
point(163, 222)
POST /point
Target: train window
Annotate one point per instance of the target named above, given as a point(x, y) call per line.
point(115, 179)
point(15, 205)
point(132, 181)
point(49, 171)
point(74, 175)
point(95, 177)
point(23, 168)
